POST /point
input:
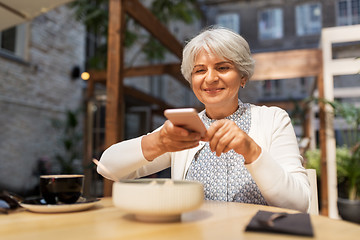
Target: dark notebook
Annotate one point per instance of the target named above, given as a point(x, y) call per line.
point(286, 223)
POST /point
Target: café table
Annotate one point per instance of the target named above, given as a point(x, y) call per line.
point(213, 220)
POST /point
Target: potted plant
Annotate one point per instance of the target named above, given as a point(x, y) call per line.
point(348, 171)
point(348, 163)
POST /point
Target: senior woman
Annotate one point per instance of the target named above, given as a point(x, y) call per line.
point(249, 153)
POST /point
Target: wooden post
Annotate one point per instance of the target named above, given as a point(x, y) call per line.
point(114, 86)
point(322, 139)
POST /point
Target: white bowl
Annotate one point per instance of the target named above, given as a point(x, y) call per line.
point(157, 199)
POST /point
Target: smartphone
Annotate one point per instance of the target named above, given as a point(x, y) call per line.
point(187, 118)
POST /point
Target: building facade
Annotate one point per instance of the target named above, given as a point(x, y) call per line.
point(281, 25)
point(39, 81)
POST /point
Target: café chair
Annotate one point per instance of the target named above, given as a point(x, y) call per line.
point(314, 205)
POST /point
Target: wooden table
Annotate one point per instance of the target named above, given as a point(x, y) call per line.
point(214, 220)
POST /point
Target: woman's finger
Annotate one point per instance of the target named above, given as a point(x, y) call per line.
point(216, 136)
point(179, 133)
point(224, 142)
point(175, 138)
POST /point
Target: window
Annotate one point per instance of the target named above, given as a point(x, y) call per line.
point(273, 88)
point(271, 24)
point(229, 20)
point(308, 19)
point(348, 12)
point(12, 41)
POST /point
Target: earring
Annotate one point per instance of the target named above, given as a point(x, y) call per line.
point(243, 81)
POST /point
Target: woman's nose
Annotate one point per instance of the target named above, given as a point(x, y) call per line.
point(212, 77)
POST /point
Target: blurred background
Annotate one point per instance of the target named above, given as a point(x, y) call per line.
point(53, 81)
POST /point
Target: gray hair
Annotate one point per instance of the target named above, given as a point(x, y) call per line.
point(223, 43)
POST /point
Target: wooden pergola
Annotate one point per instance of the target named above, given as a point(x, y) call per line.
point(113, 78)
point(274, 65)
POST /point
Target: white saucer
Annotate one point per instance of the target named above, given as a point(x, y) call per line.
point(39, 205)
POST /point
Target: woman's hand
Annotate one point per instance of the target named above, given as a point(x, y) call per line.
point(224, 135)
point(170, 138)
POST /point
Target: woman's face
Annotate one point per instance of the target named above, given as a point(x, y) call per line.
point(216, 82)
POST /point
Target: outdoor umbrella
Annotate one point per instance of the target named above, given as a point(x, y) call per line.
point(13, 12)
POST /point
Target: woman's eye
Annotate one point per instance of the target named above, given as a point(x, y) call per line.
point(223, 68)
point(199, 70)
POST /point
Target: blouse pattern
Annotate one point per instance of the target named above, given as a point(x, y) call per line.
point(225, 178)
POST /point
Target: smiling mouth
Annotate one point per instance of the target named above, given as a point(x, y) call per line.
point(213, 90)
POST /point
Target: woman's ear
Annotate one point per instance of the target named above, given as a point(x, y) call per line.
point(243, 81)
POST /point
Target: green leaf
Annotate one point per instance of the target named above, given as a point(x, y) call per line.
point(94, 14)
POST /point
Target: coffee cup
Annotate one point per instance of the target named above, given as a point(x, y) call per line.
point(57, 189)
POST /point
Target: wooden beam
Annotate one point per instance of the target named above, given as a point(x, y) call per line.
point(175, 72)
point(114, 123)
point(97, 76)
point(149, 70)
point(142, 15)
point(172, 69)
point(157, 69)
point(132, 92)
point(100, 77)
point(287, 64)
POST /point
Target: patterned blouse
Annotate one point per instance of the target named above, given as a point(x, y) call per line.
point(225, 178)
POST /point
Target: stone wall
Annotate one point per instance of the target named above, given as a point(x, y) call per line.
point(34, 92)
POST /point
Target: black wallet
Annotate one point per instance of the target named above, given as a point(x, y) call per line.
point(286, 223)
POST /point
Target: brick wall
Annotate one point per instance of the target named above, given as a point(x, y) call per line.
point(36, 91)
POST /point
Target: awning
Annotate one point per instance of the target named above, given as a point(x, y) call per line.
point(14, 12)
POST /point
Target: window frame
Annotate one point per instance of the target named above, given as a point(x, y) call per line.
point(349, 18)
point(272, 33)
point(21, 43)
point(305, 25)
point(235, 19)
